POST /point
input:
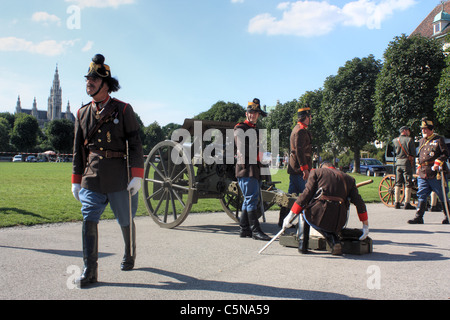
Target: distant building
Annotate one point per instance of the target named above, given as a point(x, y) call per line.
point(54, 108)
point(437, 24)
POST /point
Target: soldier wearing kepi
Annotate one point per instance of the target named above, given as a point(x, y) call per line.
point(405, 153)
point(248, 171)
point(433, 154)
point(103, 129)
point(300, 159)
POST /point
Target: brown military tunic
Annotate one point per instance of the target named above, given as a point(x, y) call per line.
point(102, 165)
point(333, 184)
point(432, 150)
point(300, 158)
point(247, 143)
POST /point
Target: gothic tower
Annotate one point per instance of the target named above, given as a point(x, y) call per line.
point(55, 99)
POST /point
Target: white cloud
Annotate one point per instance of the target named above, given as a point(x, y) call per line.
point(237, 1)
point(101, 3)
point(46, 18)
point(88, 46)
point(47, 48)
point(316, 18)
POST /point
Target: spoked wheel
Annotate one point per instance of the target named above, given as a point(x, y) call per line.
point(232, 203)
point(386, 191)
point(168, 184)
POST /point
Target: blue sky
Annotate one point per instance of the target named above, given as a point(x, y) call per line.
point(176, 58)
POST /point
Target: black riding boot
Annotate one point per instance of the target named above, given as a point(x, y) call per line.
point(130, 249)
point(418, 219)
point(255, 227)
point(244, 226)
point(90, 254)
point(303, 244)
point(334, 243)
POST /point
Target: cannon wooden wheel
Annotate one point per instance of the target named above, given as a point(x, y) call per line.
point(168, 185)
point(386, 191)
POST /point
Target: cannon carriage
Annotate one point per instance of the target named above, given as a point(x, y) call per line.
point(199, 164)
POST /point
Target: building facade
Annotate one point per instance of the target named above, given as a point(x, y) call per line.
point(54, 107)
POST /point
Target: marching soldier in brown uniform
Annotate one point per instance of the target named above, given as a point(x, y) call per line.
point(326, 199)
point(103, 130)
point(433, 154)
point(405, 153)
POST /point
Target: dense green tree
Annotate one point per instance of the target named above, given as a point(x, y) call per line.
point(4, 134)
point(281, 118)
point(153, 135)
point(442, 106)
point(60, 134)
point(406, 87)
point(349, 105)
point(223, 111)
point(25, 132)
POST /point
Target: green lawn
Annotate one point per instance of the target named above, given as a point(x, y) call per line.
point(39, 193)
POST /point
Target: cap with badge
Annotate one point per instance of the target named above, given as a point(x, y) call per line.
point(427, 124)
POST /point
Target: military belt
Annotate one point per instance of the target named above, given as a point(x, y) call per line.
point(109, 154)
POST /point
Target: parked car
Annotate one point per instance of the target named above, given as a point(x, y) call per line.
point(18, 158)
point(370, 167)
point(31, 159)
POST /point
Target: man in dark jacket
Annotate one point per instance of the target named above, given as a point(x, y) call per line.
point(248, 171)
point(104, 129)
point(433, 154)
point(330, 190)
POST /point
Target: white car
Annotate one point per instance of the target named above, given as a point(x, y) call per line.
point(17, 158)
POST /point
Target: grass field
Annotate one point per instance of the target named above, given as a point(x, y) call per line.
point(40, 193)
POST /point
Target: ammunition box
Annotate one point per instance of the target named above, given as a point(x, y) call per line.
point(349, 246)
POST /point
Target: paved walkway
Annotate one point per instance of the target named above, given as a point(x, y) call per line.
point(204, 259)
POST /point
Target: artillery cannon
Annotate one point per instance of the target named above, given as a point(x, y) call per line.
point(179, 173)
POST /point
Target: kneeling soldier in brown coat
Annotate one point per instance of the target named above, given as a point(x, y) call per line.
point(331, 190)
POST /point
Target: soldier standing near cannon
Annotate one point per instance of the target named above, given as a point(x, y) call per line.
point(106, 142)
point(248, 171)
point(300, 158)
point(406, 153)
point(433, 154)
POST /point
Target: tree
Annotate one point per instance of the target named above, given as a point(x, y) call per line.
point(349, 106)
point(406, 87)
point(442, 105)
point(221, 111)
point(25, 132)
point(319, 132)
point(153, 135)
point(60, 134)
point(281, 118)
point(4, 134)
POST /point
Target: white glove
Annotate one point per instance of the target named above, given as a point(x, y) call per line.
point(76, 188)
point(365, 233)
point(287, 221)
point(135, 186)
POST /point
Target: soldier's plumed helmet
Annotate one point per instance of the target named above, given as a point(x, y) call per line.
point(255, 105)
point(427, 123)
point(98, 68)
